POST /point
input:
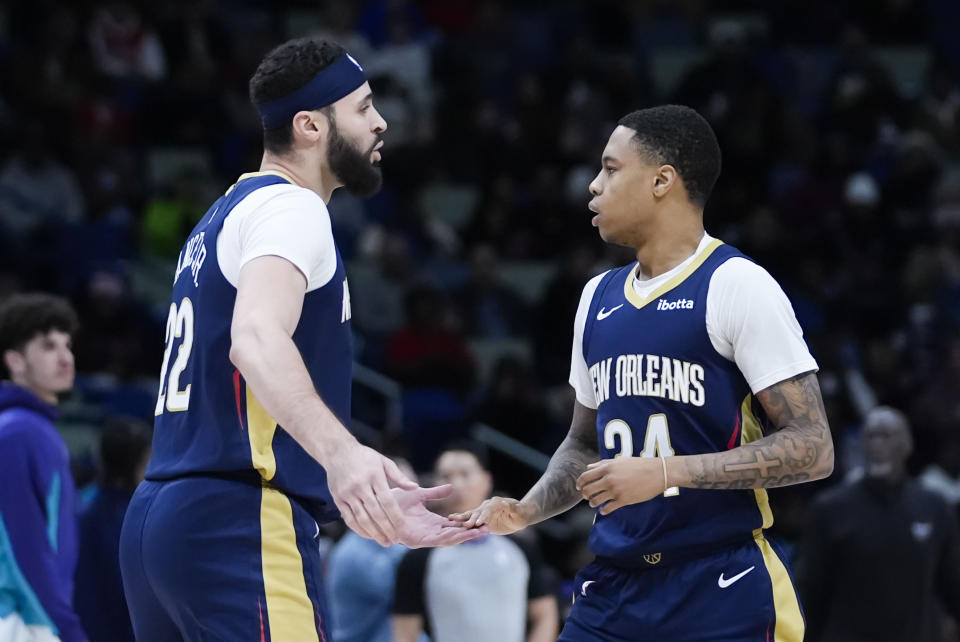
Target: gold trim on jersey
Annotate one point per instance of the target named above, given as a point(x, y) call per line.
point(789, 626)
point(289, 609)
point(750, 430)
point(261, 428)
point(270, 172)
point(638, 301)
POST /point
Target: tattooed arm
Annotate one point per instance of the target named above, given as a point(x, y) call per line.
point(555, 492)
point(800, 450)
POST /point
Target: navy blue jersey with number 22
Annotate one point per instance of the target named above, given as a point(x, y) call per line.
point(663, 389)
point(207, 420)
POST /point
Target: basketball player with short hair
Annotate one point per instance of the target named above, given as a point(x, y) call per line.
point(250, 452)
point(696, 390)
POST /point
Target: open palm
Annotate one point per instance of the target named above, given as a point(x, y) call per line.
point(423, 528)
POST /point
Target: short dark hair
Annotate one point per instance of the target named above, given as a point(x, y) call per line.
point(475, 448)
point(284, 70)
point(24, 316)
point(679, 136)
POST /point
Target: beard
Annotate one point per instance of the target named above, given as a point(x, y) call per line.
point(352, 166)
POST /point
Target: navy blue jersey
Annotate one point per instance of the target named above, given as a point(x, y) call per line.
point(207, 420)
point(662, 389)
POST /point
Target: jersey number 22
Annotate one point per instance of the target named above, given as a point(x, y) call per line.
point(179, 326)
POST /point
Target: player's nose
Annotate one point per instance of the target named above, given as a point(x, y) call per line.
point(379, 124)
point(594, 187)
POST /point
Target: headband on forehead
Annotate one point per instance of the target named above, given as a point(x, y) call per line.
point(337, 80)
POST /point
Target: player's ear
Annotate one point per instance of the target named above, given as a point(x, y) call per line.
point(664, 180)
point(309, 126)
point(14, 361)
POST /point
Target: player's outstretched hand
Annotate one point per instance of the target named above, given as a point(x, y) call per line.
point(359, 481)
point(422, 528)
point(614, 483)
point(501, 515)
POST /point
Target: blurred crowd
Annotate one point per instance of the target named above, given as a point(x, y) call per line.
point(120, 122)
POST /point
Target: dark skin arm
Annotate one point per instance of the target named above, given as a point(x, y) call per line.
point(799, 450)
point(555, 492)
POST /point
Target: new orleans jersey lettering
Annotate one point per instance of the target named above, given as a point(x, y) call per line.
point(649, 375)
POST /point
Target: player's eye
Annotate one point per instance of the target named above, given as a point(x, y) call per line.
point(610, 170)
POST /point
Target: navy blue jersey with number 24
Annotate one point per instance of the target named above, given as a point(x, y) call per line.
point(662, 389)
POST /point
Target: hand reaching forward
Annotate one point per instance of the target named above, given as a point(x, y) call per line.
point(421, 527)
point(614, 483)
point(501, 515)
point(358, 478)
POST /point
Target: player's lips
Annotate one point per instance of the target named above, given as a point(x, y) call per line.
point(593, 208)
point(376, 153)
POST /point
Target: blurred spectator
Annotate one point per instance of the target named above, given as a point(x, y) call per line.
point(35, 188)
point(513, 403)
point(430, 357)
point(118, 337)
point(554, 316)
point(490, 309)
point(379, 300)
point(169, 218)
point(38, 528)
point(429, 350)
point(100, 602)
point(360, 584)
point(942, 476)
point(487, 590)
point(122, 46)
point(879, 552)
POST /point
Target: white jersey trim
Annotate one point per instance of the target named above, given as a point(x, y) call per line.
point(749, 321)
point(282, 220)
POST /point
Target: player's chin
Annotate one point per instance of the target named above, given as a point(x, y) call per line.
point(62, 383)
point(606, 234)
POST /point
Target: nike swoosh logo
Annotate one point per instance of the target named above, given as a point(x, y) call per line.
point(724, 583)
point(583, 589)
point(601, 315)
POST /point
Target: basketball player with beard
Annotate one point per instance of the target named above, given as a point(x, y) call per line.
point(250, 450)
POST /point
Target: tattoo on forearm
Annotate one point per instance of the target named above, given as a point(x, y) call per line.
point(556, 491)
point(800, 450)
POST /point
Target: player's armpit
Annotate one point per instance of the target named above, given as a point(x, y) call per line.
point(800, 450)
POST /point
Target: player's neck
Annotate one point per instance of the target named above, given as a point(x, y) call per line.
point(46, 396)
point(672, 241)
point(311, 178)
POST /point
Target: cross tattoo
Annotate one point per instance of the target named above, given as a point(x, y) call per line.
point(762, 463)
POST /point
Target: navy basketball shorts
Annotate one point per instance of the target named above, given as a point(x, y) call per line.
point(739, 594)
point(206, 558)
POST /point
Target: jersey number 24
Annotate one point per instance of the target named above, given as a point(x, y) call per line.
point(655, 443)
